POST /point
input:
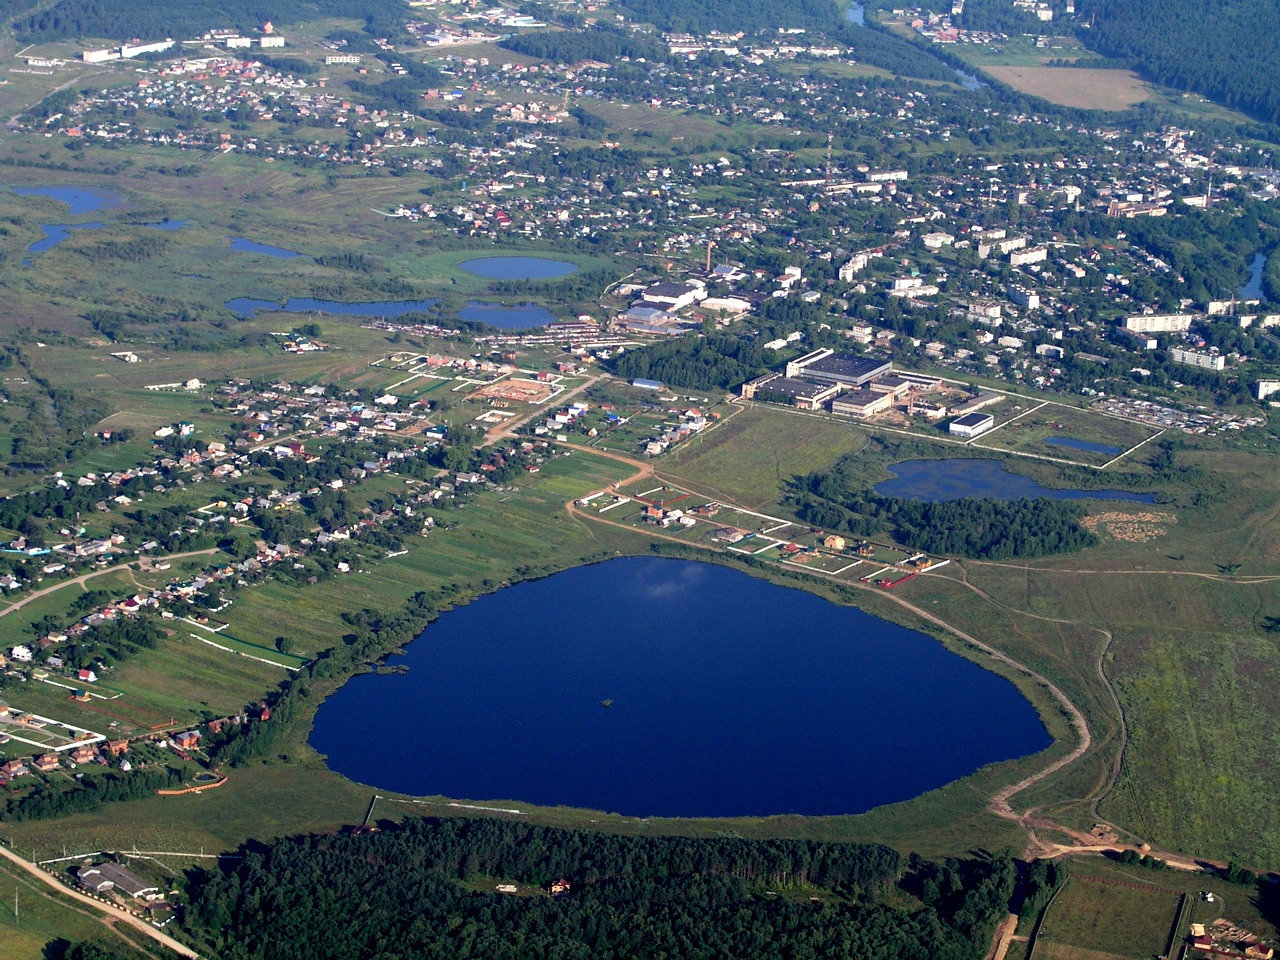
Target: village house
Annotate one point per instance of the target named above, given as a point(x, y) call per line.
point(14, 768)
point(104, 877)
point(83, 754)
point(187, 740)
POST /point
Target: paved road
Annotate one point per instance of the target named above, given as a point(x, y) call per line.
point(140, 925)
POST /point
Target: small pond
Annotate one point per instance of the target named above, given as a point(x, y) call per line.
point(658, 687)
point(518, 317)
point(79, 199)
point(1087, 445)
point(248, 306)
point(242, 245)
point(169, 224)
point(935, 480)
point(517, 268)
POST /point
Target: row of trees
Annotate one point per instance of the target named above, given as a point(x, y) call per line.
point(397, 893)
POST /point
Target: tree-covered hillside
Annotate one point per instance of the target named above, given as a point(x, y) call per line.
point(425, 890)
point(1224, 49)
point(729, 16)
point(159, 19)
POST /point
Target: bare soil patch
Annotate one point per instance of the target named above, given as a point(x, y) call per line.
point(1072, 87)
point(1129, 527)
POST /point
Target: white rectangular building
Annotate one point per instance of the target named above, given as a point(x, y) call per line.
point(1159, 323)
point(1193, 358)
point(971, 425)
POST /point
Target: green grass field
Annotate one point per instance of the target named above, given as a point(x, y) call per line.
point(1094, 919)
point(1030, 434)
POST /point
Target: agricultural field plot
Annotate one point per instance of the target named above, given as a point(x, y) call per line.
point(1072, 87)
point(750, 458)
point(818, 562)
point(1093, 918)
point(1237, 902)
point(174, 679)
point(252, 651)
point(1068, 433)
point(31, 732)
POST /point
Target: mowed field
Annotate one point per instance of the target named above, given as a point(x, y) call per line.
point(1072, 87)
point(1093, 919)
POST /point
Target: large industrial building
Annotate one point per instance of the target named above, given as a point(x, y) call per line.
point(805, 394)
point(827, 366)
point(971, 424)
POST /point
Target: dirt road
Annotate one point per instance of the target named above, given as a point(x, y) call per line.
point(90, 575)
point(116, 915)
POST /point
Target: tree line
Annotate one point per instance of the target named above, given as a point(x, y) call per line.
point(604, 44)
point(838, 499)
point(159, 19)
point(399, 892)
point(1212, 47)
point(751, 16)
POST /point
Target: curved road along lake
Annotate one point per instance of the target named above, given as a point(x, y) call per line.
point(727, 696)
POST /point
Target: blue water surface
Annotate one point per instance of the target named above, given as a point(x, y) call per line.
point(936, 480)
point(517, 268)
point(79, 199)
point(55, 233)
point(251, 246)
point(1251, 289)
point(169, 224)
point(248, 306)
point(1088, 445)
point(518, 317)
point(731, 696)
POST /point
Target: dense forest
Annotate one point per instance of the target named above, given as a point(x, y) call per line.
point(1224, 49)
point(404, 892)
point(838, 499)
point(888, 51)
point(699, 363)
point(159, 19)
point(751, 16)
point(568, 46)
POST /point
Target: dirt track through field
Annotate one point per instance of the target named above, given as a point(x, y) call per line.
point(116, 915)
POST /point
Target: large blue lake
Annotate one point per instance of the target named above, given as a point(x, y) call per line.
point(731, 696)
point(936, 480)
point(517, 268)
